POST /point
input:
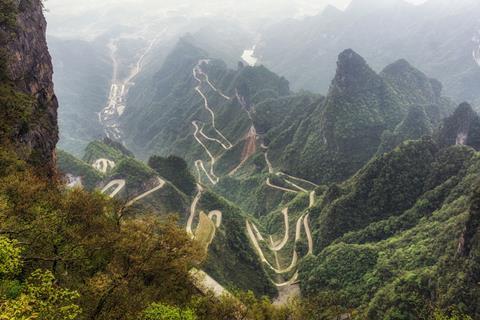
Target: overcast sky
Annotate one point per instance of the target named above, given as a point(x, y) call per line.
point(87, 18)
point(70, 6)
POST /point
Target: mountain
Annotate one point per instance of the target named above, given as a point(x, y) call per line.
point(170, 103)
point(395, 234)
point(341, 132)
point(29, 104)
point(461, 128)
point(435, 36)
point(363, 203)
point(106, 166)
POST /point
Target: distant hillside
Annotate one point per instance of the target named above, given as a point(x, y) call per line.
point(436, 37)
point(329, 139)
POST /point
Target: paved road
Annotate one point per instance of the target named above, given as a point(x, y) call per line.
point(218, 217)
point(306, 223)
point(109, 116)
point(271, 185)
point(119, 183)
point(160, 185)
point(103, 165)
point(284, 241)
point(199, 163)
point(226, 144)
point(200, 71)
point(252, 230)
point(197, 70)
point(205, 283)
point(193, 209)
point(256, 236)
point(215, 214)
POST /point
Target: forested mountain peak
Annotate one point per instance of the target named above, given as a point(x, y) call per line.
point(353, 74)
point(206, 183)
point(408, 80)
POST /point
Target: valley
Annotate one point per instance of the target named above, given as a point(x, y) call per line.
point(240, 160)
point(109, 116)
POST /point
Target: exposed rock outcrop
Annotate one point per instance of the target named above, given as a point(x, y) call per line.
point(461, 128)
point(30, 69)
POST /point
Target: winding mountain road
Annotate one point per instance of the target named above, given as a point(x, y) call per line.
point(225, 144)
point(200, 71)
point(193, 209)
point(214, 214)
point(109, 116)
point(103, 165)
point(253, 233)
point(161, 184)
point(196, 71)
point(218, 217)
point(271, 185)
point(303, 221)
point(284, 241)
point(119, 183)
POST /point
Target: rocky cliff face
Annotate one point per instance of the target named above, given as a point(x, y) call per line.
point(30, 69)
point(461, 128)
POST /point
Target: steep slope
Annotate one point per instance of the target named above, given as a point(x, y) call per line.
point(461, 128)
point(415, 125)
point(26, 84)
point(177, 96)
point(160, 189)
point(335, 136)
point(393, 239)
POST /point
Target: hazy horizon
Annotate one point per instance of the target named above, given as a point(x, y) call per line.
point(88, 18)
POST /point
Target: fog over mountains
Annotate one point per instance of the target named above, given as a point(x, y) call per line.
point(257, 159)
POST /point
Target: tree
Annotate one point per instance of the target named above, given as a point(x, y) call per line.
point(41, 299)
point(10, 261)
point(159, 311)
point(175, 170)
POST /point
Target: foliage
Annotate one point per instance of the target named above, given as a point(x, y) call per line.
point(8, 13)
point(245, 305)
point(240, 266)
point(175, 170)
point(118, 266)
point(420, 254)
point(133, 171)
point(159, 311)
point(10, 261)
point(463, 122)
point(15, 113)
point(98, 150)
point(68, 164)
point(43, 300)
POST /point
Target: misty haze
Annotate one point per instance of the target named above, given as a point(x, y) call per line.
point(221, 159)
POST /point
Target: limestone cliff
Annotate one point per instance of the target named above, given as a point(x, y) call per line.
point(28, 70)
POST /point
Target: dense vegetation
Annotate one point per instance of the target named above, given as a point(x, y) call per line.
point(396, 223)
point(176, 170)
point(392, 239)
